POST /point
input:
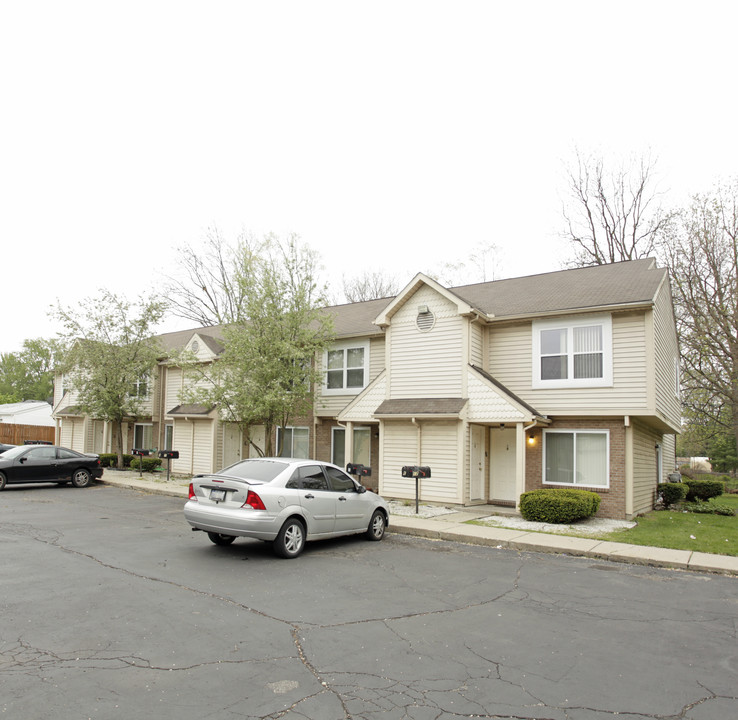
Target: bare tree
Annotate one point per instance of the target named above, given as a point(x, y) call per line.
point(370, 286)
point(612, 214)
point(210, 292)
point(702, 254)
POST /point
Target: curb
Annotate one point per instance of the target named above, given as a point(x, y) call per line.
point(520, 540)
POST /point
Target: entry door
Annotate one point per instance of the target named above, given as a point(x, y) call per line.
point(502, 465)
point(476, 471)
point(231, 444)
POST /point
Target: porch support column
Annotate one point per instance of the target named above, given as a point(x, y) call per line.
point(628, 468)
point(519, 462)
point(349, 438)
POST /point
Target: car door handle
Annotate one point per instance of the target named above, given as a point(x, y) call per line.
point(309, 496)
point(342, 498)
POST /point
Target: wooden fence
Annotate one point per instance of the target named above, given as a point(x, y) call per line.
point(11, 434)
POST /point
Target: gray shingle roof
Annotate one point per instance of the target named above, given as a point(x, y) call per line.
point(621, 283)
point(421, 406)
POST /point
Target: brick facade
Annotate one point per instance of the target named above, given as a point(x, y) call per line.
point(612, 498)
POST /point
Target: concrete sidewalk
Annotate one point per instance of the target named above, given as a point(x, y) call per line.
point(453, 526)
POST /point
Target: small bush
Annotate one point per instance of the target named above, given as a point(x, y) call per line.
point(558, 505)
point(149, 464)
point(708, 508)
point(704, 489)
point(111, 460)
point(671, 493)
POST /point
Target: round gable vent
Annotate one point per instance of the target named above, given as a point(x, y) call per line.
point(425, 320)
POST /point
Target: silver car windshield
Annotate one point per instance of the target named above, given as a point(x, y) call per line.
point(259, 470)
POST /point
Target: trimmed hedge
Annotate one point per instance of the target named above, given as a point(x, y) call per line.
point(704, 489)
point(558, 505)
point(111, 460)
point(672, 493)
point(149, 464)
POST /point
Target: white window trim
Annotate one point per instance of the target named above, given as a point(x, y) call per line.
point(144, 424)
point(569, 323)
point(577, 431)
point(364, 344)
point(293, 428)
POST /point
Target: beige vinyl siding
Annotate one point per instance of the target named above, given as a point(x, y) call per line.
point(476, 341)
point(426, 364)
point(331, 405)
point(644, 467)
point(668, 454)
point(194, 441)
point(438, 450)
point(400, 447)
point(173, 389)
point(510, 362)
point(667, 400)
point(73, 434)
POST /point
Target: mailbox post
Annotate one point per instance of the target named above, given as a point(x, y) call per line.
point(169, 455)
point(141, 455)
point(417, 472)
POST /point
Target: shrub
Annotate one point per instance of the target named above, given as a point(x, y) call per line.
point(708, 508)
point(558, 505)
point(704, 489)
point(111, 460)
point(149, 464)
point(671, 493)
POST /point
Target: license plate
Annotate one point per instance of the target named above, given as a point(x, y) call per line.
point(217, 495)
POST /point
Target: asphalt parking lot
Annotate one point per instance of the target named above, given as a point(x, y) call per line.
point(112, 607)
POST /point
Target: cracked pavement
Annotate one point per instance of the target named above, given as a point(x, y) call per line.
point(111, 607)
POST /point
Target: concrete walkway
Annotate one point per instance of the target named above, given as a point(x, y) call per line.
point(452, 526)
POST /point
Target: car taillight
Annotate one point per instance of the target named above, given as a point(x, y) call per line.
point(192, 493)
point(254, 501)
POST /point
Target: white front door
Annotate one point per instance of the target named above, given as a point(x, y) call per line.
point(502, 465)
point(231, 444)
point(476, 471)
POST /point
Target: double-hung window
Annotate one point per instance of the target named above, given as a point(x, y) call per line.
point(577, 457)
point(143, 436)
point(576, 352)
point(346, 368)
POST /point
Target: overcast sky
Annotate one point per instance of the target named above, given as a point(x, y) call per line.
point(391, 136)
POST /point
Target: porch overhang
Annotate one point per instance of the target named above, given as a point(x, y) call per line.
point(421, 408)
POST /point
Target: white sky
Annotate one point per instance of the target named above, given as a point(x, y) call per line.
point(391, 136)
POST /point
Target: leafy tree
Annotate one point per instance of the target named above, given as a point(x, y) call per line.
point(266, 373)
point(110, 354)
point(702, 254)
point(612, 214)
point(29, 373)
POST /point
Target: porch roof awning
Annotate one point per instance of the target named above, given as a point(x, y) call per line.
point(69, 411)
point(193, 409)
point(421, 407)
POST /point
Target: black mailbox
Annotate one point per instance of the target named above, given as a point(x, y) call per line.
point(416, 471)
point(360, 470)
point(169, 454)
point(141, 452)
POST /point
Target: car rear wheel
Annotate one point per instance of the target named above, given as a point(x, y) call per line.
point(220, 539)
point(377, 526)
point(3, 481)
point(81, 478)
point(291, 539)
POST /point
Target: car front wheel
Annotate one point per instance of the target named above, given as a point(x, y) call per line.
point(220, 539)
point(291, 539)
point(81, 478)
point(377, 526)
point(3, 481)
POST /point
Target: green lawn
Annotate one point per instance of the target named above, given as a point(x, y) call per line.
point(716, 534)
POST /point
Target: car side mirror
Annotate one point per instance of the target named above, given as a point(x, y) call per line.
point(23, 459)
point(359, 488)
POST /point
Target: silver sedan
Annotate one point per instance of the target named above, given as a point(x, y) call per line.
point(284, 501)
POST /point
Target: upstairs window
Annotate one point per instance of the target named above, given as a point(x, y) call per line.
point(346, 369)
point(572, 353)
point(140, 388)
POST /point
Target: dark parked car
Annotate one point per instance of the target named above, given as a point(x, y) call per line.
point(48, 463)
